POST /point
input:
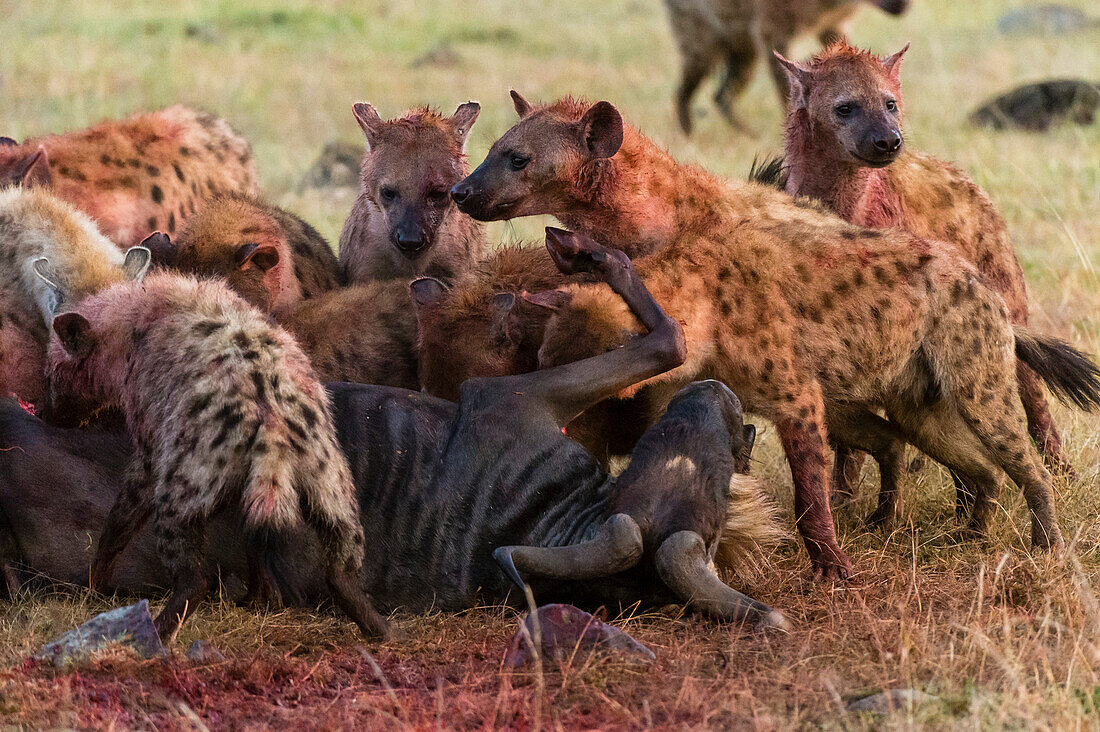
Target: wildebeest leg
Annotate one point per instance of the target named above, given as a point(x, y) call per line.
point(570, 389)
point(10, 554)
point(682, 564)
point(615, 548)
point(128, 514)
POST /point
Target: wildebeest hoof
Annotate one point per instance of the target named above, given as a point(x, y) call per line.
point(774, 621)
point(883, 518)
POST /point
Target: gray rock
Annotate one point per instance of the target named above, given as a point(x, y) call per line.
point(337, 167)
point(1051, 19)
point(566, 630)
point(130, 626)
point(203, 652)
point(891, 700)
point(1038, 107)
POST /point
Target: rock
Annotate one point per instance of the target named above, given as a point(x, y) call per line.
point(1049, 19)
point(890, 700)
point(565, 629)
point(131, 627)
point(337, 167)
point(203, 652)
point(442, 55)
point(1037, 107)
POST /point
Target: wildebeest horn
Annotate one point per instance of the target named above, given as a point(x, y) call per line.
point(682, 564)
point(617, 546)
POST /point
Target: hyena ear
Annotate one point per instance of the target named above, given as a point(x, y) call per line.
point(426, 291)
point(463, 119)
point(75, 333)
point(136, 263)
point(35, 169)
point(549, 299)
point(602, 130)
point(265, 257)
point(523, 107)
point(892, 64)
point(799, 77)
point(369, 121)
point(503, 328)
point(163, 250)
point(8, 142)
point(44, 271)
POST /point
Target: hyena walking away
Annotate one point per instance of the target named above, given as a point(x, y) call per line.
point(844, 146)
point(736, 33)
point(403, 224)
point(137, 175)
point(813, 322)
point(223, 407)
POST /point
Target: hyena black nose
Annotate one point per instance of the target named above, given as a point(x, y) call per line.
point(888, 142)
point(461, 191)
point(409, 239)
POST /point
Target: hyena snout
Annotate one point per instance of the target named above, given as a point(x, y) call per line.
point(880, 145)
point(893, 7)
point(411, 236)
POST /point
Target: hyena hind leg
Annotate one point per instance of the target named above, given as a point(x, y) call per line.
point(1039, 421)
point(182, 546)
point(129, 513)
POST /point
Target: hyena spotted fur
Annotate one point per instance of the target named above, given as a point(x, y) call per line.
point(268, 256)
point(35, 224)
point(223, 407)
point(404, 224)
point(138, 175)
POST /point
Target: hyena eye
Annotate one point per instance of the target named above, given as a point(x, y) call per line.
point(844, 110)
point(439, 195)
point(891, 105)
point(388, 194)
point(518, 162)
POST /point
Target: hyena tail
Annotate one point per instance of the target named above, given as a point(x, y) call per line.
point(1069, 373)
point(752, 527)
point(271, 509)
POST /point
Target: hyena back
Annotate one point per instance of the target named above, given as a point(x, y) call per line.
point(222, 406)
point(138, 175)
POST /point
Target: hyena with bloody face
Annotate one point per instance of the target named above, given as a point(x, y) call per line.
point(269, 256)
point(35, 224)
point(813, 322)
point(137, 175)
point(736, 33)
point(844, 146)
point(222, 406)
point(403, 224)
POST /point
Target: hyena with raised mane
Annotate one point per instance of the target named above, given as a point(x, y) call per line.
point(844, 146)
point(812, 321)
point(136, 175)
point(403, 224)
point(223, 407)
point(268, 256)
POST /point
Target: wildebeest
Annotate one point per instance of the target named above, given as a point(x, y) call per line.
point(452, 493)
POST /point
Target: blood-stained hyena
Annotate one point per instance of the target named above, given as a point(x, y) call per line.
point(403, 224)
point(35, 224)
point(844, 146)
point(223, 407)
point(813, 322)
point(736, 33)
point(137, 175)
point(269, 256)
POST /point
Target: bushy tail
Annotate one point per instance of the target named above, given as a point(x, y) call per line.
point(1069, 373)
point(752, 527)
point(770, 171)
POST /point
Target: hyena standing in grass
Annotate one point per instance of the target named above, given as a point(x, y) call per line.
point(269, 256)
point(403, 224)
point(736, 33)
point(223, 407)
point(35, 224)
point(844, 146)
point(137, 175)
point(814, 322)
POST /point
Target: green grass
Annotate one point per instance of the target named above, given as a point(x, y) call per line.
point(1006, 639)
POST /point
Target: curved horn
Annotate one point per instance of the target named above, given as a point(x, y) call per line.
point(617, 546)
point(682, 564)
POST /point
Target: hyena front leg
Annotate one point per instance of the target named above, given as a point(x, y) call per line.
point(128, 514)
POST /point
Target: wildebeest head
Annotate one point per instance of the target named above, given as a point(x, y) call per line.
point(852, 102)
point(410, 166)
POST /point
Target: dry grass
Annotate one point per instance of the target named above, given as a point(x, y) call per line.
point(1004, 638)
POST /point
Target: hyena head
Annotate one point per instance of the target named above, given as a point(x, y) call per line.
point(545, 163)
point(850, 100)
point(233, 238)
point(68, 290)
point(22, 167)
point(410, 166)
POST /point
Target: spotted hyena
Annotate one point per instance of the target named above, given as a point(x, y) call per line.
point(223, 407)
point(844, 146)
point(269, 256)
point(138, 175)
point(403, 224)
point(35, 224)
point(736, 33)
point(814, 322)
